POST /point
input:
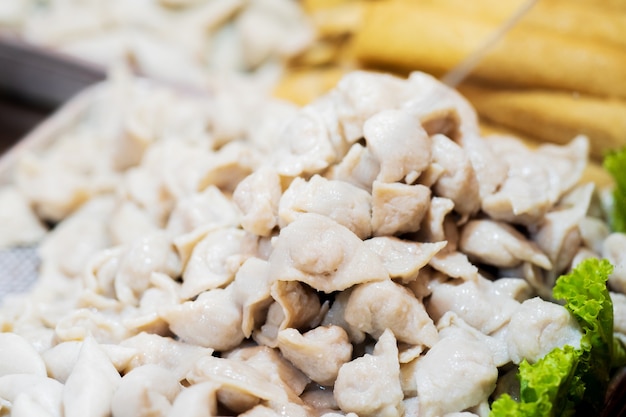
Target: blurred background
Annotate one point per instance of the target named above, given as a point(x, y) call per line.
point(558, 72)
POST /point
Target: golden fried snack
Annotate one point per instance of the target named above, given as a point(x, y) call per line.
point(594, 172)
point(340, 20)
point(435, 39)
point(334, 21)
point(554, 116)
point(320, 53)
point(301, 86)
point(617, 5)
point(573, 19)
point(314, 5)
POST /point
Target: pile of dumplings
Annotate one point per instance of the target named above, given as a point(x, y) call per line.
point(224, 253)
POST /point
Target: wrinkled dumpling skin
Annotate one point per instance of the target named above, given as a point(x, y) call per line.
point(209, 206)
point(399, 143)
point(306, 146)
point(252, 291)
point(362, 95)
point(374, 307)
point(370, 385)
point(53, 190)
point(359, 168)
point(229, 166)
point(212, 320)
point(146, 389)
point(257, 197)
point(238, 376)
point(432, 228)
point(319, 353)
point(66, 247)
point(454, 264)
point(323, 254)
point(458, 181)
point(83, 322)
point(436, 102)
point(295, 305)
point(539, 326)
point(478, 302)
point(336, 316)
point(403, 259)
point(398, 208)
point(275, 368)
point(198, 400)
point(152, 253)
point(455, 374)
point(343, 202)
point(559, 235)
point(171, 354)
point(497, 243)
point(536, 178)
point(215, 260)
point(451, 325)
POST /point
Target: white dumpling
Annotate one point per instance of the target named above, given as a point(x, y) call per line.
point(343, 202)
point(406, 316)
point(19, 225)
point(400, 144)
point(327, 256)
point(319, 353)
point(398, 208)
point(454, 375)
point(212, 320)
point(17, 355)
point(146, 389)
point(35, 391)
point(257, 197)
point(539, 326)
point(89, 388)
point(215, 260)
point(198, 400)
point(370, 385)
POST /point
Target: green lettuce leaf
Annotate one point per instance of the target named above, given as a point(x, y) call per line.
point(587, 298)
point(615, 164)
point(550, 387)
point(568, 380)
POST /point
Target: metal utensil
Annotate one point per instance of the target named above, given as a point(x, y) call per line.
point(42, 77)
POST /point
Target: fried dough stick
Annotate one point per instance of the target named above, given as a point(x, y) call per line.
point(435, 40)
point(301, 86)
point(617, 5)
point(554, 116)
point(574, 19)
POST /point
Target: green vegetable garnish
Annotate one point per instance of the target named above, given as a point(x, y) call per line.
point(550, 387)
point(587, 298)
point(568, 380)
point(615, 164)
